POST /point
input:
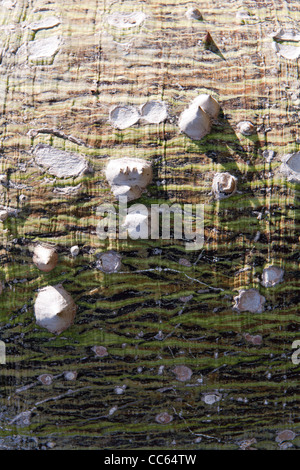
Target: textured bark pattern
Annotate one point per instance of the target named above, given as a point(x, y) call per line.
point(166, 307)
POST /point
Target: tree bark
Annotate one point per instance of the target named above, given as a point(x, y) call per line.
point(165, 306)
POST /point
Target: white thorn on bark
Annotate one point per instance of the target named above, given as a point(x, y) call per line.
point(3, 215)
point(123, 116)
point(128, 176)
point(208, 104)
point(45, 257)
point(154, 112)
point(193, 14)
point(74, 250)
point(246, 127)
point(194, 122)
point(54, 309)
point(224, 185)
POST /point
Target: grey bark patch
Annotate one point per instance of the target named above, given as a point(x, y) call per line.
point(109, 262)
point(126, 20)
point(269, 155)
point(46, 23)
point(68, 190)
point(60, 163)
point(271, 276)
point(290, 167)
point(211, 398)
point(249, 300)
point(182, 373)
point(43, 49)
point(286, 435)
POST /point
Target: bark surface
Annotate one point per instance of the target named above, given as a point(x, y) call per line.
point(113, 379)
